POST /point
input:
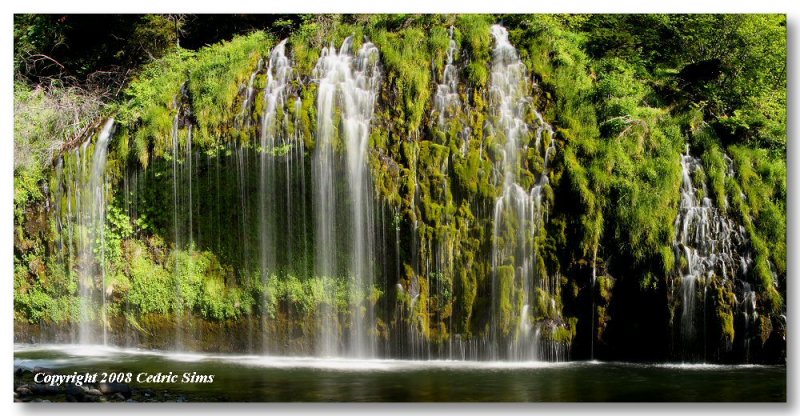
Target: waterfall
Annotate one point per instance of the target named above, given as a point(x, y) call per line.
point(258, 192)
point(91, 198)
point(747, 309)
point(709, 243)
point(446, 100)
point(242, 197)
point(435, 250)
point(182, 207)
point(296, 197)
point(279, 73)
point(517, 281)
point(345, 102)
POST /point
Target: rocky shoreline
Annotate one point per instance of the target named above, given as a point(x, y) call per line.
point(26, 390)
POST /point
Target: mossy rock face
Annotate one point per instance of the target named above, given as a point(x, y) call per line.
point(765, 329)
point(505, 292)
point(603, 298)
point(559, 332)
point(605, 286)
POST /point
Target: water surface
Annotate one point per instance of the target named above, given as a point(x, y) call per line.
point(285, 379)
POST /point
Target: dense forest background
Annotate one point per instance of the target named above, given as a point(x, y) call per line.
point(626, 95)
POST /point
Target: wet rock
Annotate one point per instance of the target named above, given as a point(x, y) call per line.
point(20, 371)
point(24, 391)
point(94, 392)
point(118, 397)
point(75, 390)
point(44, 389)
point(113, 388)
point(75, 393)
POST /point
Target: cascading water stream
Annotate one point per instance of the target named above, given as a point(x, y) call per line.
point(518, 214)
point(436, 252)
point(345, 102)
point(446, 100)
point(91, 217)
point(279, 73)
point(709, 243)
point(182, 207)
point(343, 210)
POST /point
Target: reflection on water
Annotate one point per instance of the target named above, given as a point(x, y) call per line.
point(260, 378)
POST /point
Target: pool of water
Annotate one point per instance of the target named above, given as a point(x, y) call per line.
point(288, 379)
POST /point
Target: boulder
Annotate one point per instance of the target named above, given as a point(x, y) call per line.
point(94, 392)
point(44, 389)
point(113, 388)
point(75, 393)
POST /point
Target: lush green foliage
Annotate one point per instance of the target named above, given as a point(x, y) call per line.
point(46, 122)
point(742, 87)
point(148, 113)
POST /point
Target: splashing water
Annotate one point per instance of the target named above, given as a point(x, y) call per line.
point(279, 73)
point(446, 101)
point(708, 242)
point(518, 281)
point(345, 104)
point(91, 221)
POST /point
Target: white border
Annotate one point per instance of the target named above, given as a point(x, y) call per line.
point(386, 6)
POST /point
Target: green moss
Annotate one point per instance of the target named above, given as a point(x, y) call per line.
point(765, 328)
point(215, 78)
point(213, 74)
point(717, 168)
point(561, 333)
point(407, 67)
point(727, 325)
point(606, 287)
point(724, 301)
point(758, 195)
point(476, 42)
point(506, 295)
point(148, 109)
point(151, 291)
